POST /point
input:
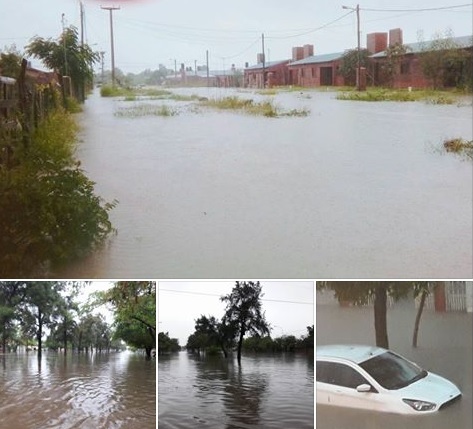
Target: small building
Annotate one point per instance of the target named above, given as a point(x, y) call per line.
point(317, 70)
point(276, 73)
point(408, 72)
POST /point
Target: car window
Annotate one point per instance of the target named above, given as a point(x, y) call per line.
point(338, 374)
point(392, 371)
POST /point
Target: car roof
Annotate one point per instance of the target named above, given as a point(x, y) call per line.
point(352, 352)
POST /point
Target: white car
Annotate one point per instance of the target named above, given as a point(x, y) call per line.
point(374, 378)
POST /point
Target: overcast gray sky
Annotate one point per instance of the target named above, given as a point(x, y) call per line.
point(150, 32)
point(288, 306)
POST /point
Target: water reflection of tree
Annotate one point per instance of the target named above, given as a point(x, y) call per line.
point(244, 396)
point(238, 389)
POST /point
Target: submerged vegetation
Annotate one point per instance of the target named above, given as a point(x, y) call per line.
point(459, 146)
point(263, 108)
point(139, 110)
point(384, 94)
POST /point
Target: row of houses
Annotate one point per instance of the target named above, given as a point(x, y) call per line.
point(308, 69)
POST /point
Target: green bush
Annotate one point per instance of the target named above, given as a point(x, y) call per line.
point(49, 212)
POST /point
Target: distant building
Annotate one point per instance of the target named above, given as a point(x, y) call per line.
point(276, 73)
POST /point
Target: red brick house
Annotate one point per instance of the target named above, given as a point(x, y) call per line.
point(317, 70)
point(276, 74)
point(408, 71)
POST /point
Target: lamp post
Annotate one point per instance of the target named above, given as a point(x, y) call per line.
point(358, 62)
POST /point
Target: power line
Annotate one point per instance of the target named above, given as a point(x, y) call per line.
point(418, 10)
point(314, 29)
point(214, 294)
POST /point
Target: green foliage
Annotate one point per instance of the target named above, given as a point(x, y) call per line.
point(140, 110)
point(10, 62)
point(446, 63)
point(115, 91)
point(349, 64)
point(49, 213)
point(134, 305)
point(285, 343)
point(68, 56)
point(167, 344)
point(383, 94)
point(263, 108)
point(244, 312)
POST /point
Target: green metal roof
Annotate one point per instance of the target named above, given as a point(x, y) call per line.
point(415, 48)
point(266, 64)
point(314, 59)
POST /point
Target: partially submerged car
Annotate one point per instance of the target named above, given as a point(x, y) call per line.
point(377, 379)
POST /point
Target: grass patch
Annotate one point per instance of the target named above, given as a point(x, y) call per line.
point(459, 146)
point(72, 105)
point(115, 91)
point(383, 94)
point(140, 110)
point(263, 108)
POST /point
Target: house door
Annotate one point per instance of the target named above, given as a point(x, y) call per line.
point(326, 76)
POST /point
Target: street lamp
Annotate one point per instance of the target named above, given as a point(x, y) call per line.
point(358, 62)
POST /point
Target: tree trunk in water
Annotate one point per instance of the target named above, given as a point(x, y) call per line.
point(148, 352)
point(40, 333)
point(380, 316)
point(418, 315)
point(240, 343)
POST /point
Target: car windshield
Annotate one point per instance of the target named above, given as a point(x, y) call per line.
point(392, 371)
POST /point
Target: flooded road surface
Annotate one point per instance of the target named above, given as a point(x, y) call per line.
point(444, 347)
point(270, 391)
point(116, 391)
point(353, 190)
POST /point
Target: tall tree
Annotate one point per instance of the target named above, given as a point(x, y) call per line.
point(12, 295)
point(40, 308)
point(244, 312)
point(134, 304)
point(67, 56)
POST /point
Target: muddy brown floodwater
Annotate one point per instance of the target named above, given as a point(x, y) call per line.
point(267, 391)
point(352, 190)
point(110, 391)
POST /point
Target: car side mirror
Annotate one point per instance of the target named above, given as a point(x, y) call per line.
point(363, 388)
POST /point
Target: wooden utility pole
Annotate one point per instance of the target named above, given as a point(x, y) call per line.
point(81, 24)
point(207, 59)
point(264, 62)
point(111, 9)
point(358, 61)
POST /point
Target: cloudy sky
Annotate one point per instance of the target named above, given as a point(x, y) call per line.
point(288, 305)
point(152, 32)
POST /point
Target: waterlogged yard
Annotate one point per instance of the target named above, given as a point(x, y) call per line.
point(321, 188)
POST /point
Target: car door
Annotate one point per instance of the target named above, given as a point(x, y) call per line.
point(337, 383)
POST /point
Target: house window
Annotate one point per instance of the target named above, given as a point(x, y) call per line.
point(405, 67)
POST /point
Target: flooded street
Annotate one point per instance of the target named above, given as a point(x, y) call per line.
point(267, 391)
point(352, 190)
point(445, 348)
point(116, 391)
